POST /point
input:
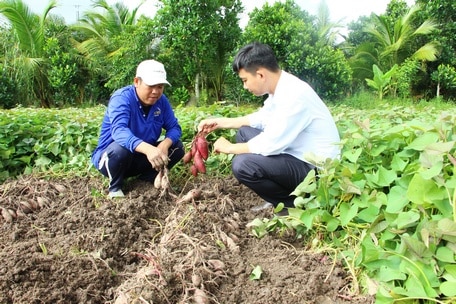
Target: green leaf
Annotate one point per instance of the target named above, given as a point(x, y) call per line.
point(308, 216)
point(352, 155)
point(256, 273)
point(407, 219)
point(445, 254)
point(448, 288)
point(396, 200)
point(347, 213)
point(369, 214)
point(387, 274)
point(423, 191)
point(416, 247)
point(423, 141)
point(308, 185)
point(42, 161)
point(398, 164)
point(382, 177)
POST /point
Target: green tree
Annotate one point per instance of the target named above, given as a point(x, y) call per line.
point(394, 38)
point(29, 62)
point(68, 72)
point(301, 47)
point(328, 31)
point(99, 27)
point(444, 11)
point(196, 39)
point(97, 39)
point(392, 41)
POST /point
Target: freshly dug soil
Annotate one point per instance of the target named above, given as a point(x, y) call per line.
point(68, 243)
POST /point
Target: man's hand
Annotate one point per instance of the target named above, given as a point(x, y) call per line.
point(208, 125)
point(157, 156)
point(222, 145)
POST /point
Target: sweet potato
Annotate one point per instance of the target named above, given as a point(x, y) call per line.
point(158, 180)
point(200, 297)
point(191, 195)
point(202, 146)
point(6, 215)
point(194, 170)
point(187, 157)
point(199, 163)
point(26, 207)
point(193, 149)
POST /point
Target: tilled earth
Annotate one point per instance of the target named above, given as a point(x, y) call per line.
point(65, 242)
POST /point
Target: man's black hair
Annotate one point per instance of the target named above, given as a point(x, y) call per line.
point(253, 56)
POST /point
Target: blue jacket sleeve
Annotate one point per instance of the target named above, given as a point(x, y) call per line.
point(171, 125)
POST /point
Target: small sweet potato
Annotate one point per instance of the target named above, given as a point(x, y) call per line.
point(26, 207)
point(200, 297)
point(187, 157)
point(6, 215)
point(158, 180)
point(194, 170)
point(199, 163)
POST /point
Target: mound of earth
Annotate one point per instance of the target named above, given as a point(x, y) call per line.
point(65, 242)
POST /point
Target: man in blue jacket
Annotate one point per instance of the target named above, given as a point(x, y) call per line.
point(130, 142)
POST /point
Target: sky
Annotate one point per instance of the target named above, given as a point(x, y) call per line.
point(343, 11)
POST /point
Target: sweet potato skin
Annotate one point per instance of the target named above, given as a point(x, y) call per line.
point(199, 163)
point(202, 147)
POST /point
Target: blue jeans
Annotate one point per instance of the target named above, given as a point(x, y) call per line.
point(272, 177)
point(118, 163)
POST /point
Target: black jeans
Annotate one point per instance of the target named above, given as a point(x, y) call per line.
point(118, 163)
point(273, 177)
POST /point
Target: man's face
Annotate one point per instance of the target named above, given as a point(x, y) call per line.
point(148, 95)
point(254, 83)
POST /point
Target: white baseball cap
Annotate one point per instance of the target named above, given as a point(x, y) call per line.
point(152, 72)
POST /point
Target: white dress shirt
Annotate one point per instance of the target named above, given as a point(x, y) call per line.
point(294, 121)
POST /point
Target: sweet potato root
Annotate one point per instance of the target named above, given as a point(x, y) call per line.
point(190, 196)
point(187, 157)
point(200, 297)
point(202, 146)
point(199, 152)
point(199, 163)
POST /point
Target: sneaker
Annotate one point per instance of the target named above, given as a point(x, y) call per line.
point(116, 194)
point(262, 207)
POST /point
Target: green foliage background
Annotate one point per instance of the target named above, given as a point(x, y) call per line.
point(46, 62)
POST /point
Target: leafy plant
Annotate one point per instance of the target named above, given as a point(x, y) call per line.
point(388, 205)
point(381, 81)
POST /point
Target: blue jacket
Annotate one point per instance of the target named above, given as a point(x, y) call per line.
point(126, 123)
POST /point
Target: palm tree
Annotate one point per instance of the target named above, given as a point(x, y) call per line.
point(328, 31)
point(99, 29)
point(30, 61)
point(393, 42)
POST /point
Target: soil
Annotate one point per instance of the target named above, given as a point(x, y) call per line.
point(66, 242)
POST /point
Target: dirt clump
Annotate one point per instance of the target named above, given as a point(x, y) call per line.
point(65, 242)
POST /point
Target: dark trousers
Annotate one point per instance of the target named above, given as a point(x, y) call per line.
point(118, 163)
point(273, 177)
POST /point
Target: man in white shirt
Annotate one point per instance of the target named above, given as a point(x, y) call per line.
point(273, 142)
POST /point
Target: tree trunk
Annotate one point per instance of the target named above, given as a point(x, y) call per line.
point(197, 88)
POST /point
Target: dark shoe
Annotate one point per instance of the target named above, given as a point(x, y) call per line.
point(283, 212)
point(262, 207)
